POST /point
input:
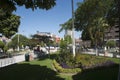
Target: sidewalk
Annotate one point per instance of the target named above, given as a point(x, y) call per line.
point(102, 54)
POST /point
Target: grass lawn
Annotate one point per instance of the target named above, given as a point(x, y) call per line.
point(42, 70)
point(33, 70)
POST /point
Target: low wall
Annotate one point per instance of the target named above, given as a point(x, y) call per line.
point(13, 60)
point(19, 58)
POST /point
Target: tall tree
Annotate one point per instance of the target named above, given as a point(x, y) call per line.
point(41, 38)
point(11, 5)
point(85, 35)
point(97, 30)
point(90, 17)
point(90, 10)
point(2, 44)
point(9, 23)
point(113, 13)
point(23, 41)
point(64, 43)
point(46, 39)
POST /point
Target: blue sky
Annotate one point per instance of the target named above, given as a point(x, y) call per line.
point(46, 21)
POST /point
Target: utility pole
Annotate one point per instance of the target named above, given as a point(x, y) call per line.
point(73, 39)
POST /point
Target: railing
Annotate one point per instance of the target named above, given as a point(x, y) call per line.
point(109, 53)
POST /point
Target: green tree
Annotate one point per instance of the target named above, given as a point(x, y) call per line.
point(65, 55)
point(64, 43)
point(66, 26)
point(23, 41)
point(90, 18)
point(2, 44)
point(5, 48)
point(9, 23)
point(85, 35)
point(68, 39)
point(34, 42)
point(113, 13)
point(111, 43)
point(43, 39)
point(89, 11)
point(97, 31)
point(11, 5)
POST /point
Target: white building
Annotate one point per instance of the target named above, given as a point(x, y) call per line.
point(68, 33)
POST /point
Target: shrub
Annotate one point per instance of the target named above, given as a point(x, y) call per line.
point(5, 48)
point(111, 43)
point(2, 44)
point(89, 61)
point(66, 58)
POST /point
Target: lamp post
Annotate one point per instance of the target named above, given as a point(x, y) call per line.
point(73, 39)
point(18, 41)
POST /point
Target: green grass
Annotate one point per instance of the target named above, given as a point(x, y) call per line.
point(34, 70)
point(42, 70)
point(116, 60)
point(45, 62)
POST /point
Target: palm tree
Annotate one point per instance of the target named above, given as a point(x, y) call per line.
point(97, 31)
point(66, 26)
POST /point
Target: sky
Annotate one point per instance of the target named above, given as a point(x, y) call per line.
point(46, 20)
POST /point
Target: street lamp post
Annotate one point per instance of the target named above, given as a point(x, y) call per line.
point(73, 39)
point(18, 41)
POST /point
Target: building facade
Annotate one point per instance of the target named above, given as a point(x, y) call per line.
point(68, 32)
point(113, 33)
point(51, 36)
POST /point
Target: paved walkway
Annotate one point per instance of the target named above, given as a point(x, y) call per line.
point(102, 54)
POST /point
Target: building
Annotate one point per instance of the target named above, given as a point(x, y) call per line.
point(50, 36)
point(113, 34)
point(57, 39)
point(68, 32)
point(44, 33)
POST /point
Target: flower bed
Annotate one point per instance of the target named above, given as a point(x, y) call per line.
point(65, 70)
point(81, 62)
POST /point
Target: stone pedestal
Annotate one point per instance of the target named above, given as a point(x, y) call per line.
point(31, 57)
point(105, 53)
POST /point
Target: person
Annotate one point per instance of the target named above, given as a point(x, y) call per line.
point(38, 48)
